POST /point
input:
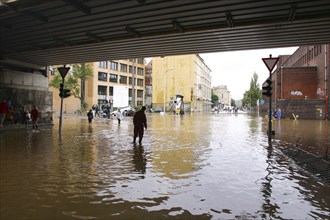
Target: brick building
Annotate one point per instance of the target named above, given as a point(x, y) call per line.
point(301, 83)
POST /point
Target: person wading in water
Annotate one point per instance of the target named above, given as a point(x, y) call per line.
point(140, 122)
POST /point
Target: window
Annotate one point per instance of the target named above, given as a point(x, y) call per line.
point(102, 76)
point(139, 103)
point(113, 78)
point(123, 68)
point(130, 81)
point(123, 80)
point(110, 91)
point(103, 64)
point(140, 71)
point(140, 82)
point(101, 90)
point(139, 93)
point(140, 60)
point(129, 92)
point(131, 69)
point(113, 65)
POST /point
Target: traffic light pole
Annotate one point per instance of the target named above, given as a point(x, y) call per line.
point(63, 71)
point(270, 64)
point(270, 117)
point(60, 124)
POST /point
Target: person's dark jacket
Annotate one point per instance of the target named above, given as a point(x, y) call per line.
point(140, 119)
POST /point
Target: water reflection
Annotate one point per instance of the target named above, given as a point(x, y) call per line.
point(191, 167)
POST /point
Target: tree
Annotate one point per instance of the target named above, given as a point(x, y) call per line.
point(253, 94)
point(214, 99)
point(232, 102)
point(75, 82)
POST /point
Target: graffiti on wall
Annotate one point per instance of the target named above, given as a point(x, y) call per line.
point(319, 92)
point(296, 93)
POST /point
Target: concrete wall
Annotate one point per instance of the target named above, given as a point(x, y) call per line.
point(26, 89)
point(305, 109)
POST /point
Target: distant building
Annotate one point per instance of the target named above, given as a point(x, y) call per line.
point(185, 75)
point(224, 95)
point(301, 83)
point(101, 88)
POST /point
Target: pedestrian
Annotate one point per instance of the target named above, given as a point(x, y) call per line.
point(90, 116)
point(119, 115)
point(26, 116)
point(97, 110)
point(34, 116)
point(3, 111)
point(140, 122)
point(278, 113)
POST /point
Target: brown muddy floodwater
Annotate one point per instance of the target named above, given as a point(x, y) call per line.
point(211, 166)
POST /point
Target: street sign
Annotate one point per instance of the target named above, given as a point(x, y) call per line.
point(262, 101)
point(270, 62)
point(63, 71)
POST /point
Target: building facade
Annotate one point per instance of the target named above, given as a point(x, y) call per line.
point(224, 95)
point(109, 77)
point(185, 75)
point(148, 84)
point(301, 83)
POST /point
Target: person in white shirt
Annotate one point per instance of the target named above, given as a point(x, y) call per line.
point(119, 115)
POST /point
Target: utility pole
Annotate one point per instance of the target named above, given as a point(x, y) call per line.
point(133, 84)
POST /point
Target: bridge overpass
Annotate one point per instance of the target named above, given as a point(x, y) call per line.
point(47, 32)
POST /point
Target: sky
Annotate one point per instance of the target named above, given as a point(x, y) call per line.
point(235, 69)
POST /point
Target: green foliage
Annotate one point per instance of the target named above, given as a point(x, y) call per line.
point(214, 98)
point(232, 102)
point(253, 94)
point(75, 81)
point(56, 81)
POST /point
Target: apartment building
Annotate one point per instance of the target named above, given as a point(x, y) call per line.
point(111, 84)
point(185, 75)
point(111, 80)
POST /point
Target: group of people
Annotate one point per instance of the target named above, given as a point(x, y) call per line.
point(139, 122)
point(23, 116)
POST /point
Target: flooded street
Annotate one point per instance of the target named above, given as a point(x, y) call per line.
point(212, 166)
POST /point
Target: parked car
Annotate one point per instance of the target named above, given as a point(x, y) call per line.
point(126, 111)
point(156, 110)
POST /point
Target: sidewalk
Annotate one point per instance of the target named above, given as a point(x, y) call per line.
point(9, 126)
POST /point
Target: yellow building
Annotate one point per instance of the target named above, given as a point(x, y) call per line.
point(186, 75)
point(108, 77)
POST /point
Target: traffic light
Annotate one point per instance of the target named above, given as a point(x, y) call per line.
point(267, 90)
point(64, 93)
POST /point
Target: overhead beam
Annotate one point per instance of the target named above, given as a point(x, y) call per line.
point(177, 26)
point(229, 20)
point(78, 6)
point(132, 31)
point(61, 41)
point(94, 36)
point(292, 14)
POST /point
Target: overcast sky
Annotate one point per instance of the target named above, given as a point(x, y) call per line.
point(235, 69)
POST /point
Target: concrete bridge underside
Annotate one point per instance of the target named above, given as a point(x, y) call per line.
point(47, 32)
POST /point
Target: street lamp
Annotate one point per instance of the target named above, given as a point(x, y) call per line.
point(164, 110)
